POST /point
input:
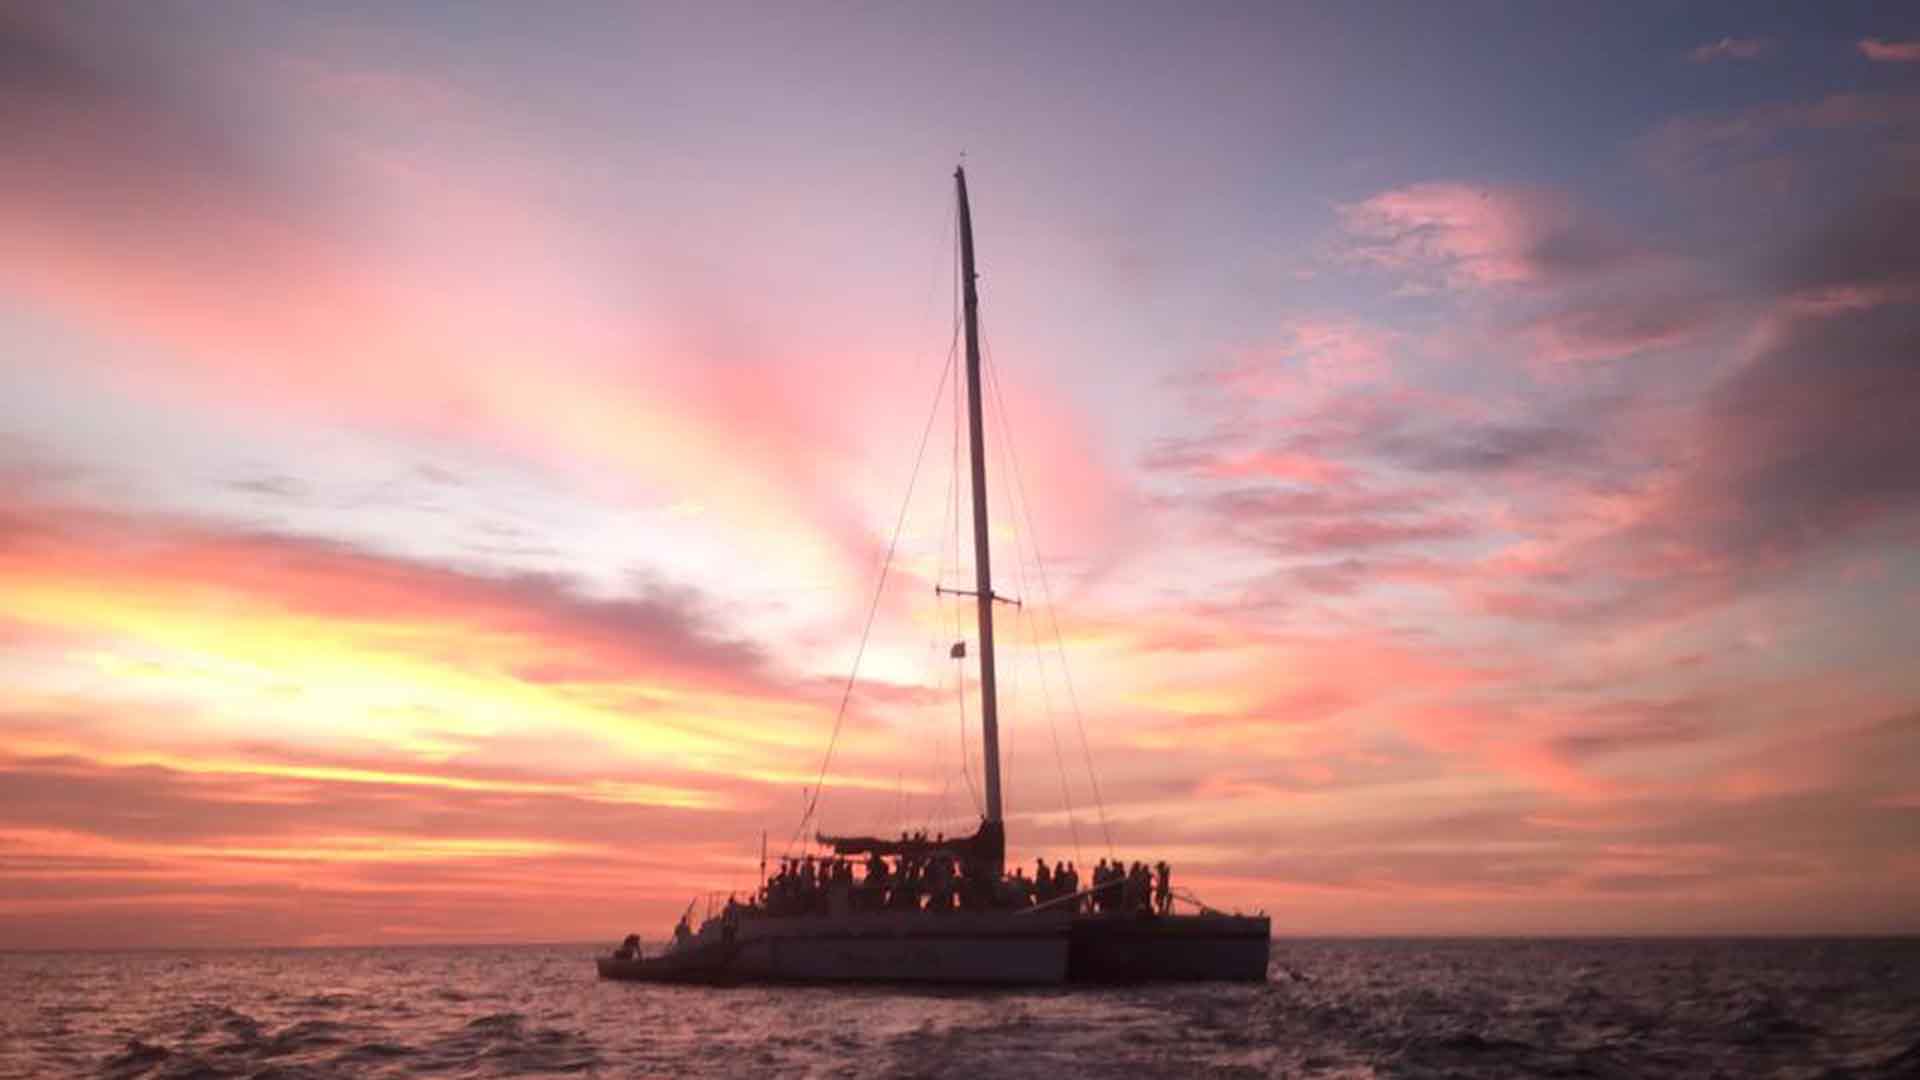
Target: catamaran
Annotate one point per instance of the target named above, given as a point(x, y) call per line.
point(945, 910)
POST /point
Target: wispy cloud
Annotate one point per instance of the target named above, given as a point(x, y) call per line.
point(1609, 327)
point(1732, 48)
point(1474, 235)
point(1883, 51)
point(1697, 144)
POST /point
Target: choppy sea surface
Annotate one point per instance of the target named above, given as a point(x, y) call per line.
point(1376, 1008)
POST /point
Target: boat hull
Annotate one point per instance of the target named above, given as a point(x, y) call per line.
point(1172, 948)
point(661, 969)
point(958, 948)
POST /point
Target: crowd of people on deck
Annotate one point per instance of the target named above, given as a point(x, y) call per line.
point(1132, 889)
point(932, 879)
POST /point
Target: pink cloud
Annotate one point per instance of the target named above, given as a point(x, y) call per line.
point(1621, 328)
point(1306, 361)
point(1882, 51)
point(1464, 235)
point(1667, 509)
point(1079, 505)
point(235, 289)
point(1329, 519)
point(1279, 465)
point(1544, 767)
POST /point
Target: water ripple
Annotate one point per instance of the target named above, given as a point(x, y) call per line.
point(1346, 1009)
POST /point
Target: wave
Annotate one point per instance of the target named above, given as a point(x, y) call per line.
point(203, 1018)
point(508, 1023)
point(303, 1036)
point(136, 1059)
point(327, 1001)
point(1357, 1008)
point(1903, 1064)
point(1765, 1020)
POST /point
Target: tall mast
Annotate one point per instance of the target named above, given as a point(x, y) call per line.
point(982, 562)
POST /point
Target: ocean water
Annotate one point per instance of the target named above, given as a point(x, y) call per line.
point(1619, 1008)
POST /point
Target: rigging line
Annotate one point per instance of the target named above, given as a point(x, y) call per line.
point(937, 809)
point(960, 694)
point(953, 491)
point(1053, 616)
point(1020, 577)
point(926, 679)
point(953, 462)
point(950, 510)
point(1010, 700)
point(947, 560)
point(1008, 457)
point(904, 808)
point(1053, 735)
point(1011, 517)
point(1053, 729)
point(953, 340)
point(935, 746)
point(953, 516)
point(949, 557)
point(873, 609)
point(953, 519)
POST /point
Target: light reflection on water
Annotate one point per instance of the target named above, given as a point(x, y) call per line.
point(1332, 1008)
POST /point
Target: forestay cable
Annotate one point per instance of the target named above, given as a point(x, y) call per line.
point(873, 609)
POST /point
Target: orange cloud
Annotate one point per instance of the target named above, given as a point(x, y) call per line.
point(341, 644)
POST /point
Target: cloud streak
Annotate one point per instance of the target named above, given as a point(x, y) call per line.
point(1731, 48)
point(1882, 51)
point(1464, 235)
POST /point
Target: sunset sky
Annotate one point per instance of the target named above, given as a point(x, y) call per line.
point(447, 452)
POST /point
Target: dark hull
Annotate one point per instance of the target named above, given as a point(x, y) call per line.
point(956, 949)
point(1168, 948)
point(705, 964)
